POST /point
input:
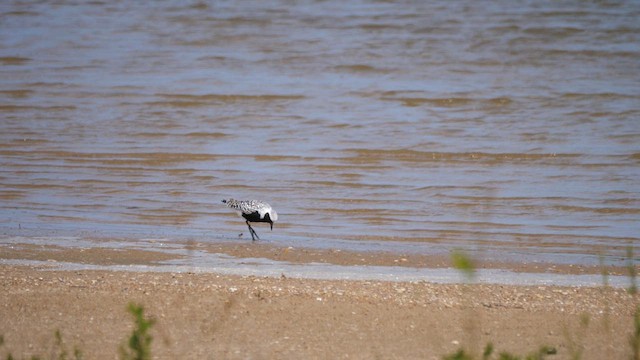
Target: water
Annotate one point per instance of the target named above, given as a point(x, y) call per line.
point(510, 129)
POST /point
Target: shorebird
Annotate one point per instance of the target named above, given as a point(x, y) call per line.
point(253, 211)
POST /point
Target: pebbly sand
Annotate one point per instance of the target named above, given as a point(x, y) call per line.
point(212, 316)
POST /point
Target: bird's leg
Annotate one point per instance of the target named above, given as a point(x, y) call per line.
point(253, 232)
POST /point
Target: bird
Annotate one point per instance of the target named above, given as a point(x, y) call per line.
point(253, 211)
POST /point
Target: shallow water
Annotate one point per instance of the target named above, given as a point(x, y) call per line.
point(509, 129)
point(196, 258)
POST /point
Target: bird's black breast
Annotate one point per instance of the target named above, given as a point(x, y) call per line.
point(255, 217)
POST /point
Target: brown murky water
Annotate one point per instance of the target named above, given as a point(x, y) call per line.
point(509, 129)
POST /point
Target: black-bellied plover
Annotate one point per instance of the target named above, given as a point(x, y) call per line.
point(253, 211)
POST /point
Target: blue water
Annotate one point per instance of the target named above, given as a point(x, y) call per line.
point(508, 129)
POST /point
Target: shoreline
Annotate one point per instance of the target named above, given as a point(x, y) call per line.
point(127, 251)
point(205, 314)
point(248, 267)
point(274, 260)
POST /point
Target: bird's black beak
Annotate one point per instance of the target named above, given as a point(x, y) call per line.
point(271, 225)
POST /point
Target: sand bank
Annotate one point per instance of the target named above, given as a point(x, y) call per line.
point(205, 315)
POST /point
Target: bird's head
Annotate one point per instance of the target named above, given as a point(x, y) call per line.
point(273, 217)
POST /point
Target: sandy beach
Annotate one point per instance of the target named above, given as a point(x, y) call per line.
point(389, 137)
point(207, 316)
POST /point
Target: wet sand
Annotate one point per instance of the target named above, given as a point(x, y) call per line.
point(27, 250)
point(215, 316)
point(383, 258)
point(273, 260)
